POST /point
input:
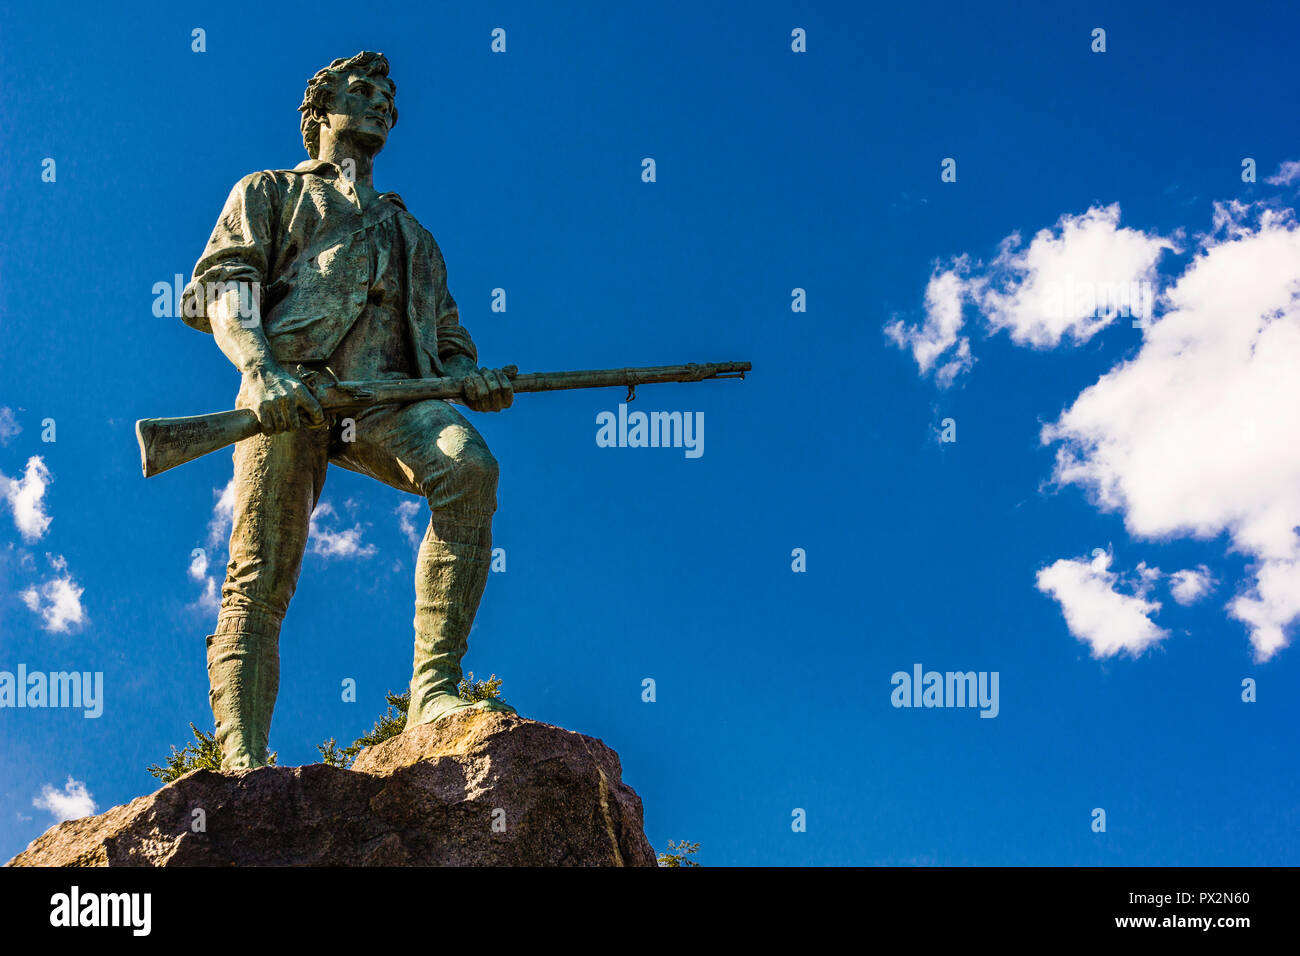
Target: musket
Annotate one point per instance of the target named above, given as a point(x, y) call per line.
point(168, 442)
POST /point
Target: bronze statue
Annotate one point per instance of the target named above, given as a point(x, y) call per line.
point(310, 277)
point(349, 281)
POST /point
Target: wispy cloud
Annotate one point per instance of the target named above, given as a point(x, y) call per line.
point(406, 514)
point(210, 598)
point(9, 426)
point(1069, 283)
point(330, 543)
point(26, 497)
point(940, 334)
point(57, 600)
point(1096, 612)
point(1286, 174)
point(1190, 585)
point(223, 514)
point(70, 803)
point(218, 534)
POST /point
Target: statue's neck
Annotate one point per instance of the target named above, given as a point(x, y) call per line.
point(347, 156)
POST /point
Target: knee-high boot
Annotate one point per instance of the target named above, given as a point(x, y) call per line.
point(449, 579)
point(244, 676)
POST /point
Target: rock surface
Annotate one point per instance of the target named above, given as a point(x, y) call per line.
point(474, 789)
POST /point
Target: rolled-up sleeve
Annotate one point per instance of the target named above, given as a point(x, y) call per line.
point(239, 249)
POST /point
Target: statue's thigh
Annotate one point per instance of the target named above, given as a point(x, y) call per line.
point(415, 448)
point(278, 481)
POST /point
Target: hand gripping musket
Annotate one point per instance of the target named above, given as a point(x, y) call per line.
point(168, 442)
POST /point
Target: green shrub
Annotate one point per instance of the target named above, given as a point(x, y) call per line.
point(203, 754)
point(679, 854)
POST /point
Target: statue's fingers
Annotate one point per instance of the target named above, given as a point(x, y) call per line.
point(270, 418)
point(309, 409)
point(473, 390)
point(505, 391)
point(289, 413)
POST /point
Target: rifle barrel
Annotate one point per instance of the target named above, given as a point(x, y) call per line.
point(352, 394)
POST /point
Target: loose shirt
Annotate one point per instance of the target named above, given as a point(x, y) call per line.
point(303, 238)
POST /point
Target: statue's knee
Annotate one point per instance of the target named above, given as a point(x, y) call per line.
point(462, 474)
point(479, 468)
point(470, 483)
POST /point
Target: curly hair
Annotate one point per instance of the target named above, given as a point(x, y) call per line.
point(320, 93)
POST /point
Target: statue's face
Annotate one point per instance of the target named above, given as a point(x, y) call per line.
point(362, 110)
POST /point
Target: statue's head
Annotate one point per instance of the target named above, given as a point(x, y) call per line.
point(354, 98)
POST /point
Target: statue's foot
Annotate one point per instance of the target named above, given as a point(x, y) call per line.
point(241, 761)
point(439, 706)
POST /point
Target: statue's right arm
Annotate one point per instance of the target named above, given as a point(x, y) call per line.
point(236, 257)
point(280, 402)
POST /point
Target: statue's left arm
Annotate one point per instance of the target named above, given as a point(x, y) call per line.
point(486, 389)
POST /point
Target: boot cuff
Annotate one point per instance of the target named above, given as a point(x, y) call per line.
point(248, 621)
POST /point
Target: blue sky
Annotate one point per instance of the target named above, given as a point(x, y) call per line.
point(775, 170)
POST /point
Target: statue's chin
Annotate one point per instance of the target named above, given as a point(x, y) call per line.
point(370, 142)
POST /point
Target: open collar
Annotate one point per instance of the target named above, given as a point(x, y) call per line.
point(314, 165)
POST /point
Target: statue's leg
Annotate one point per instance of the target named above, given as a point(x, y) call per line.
point(430, 449)
point(278, 481)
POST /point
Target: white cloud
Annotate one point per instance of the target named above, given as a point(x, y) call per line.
point(1146, 578)
point(210, 599)
point(1272, 604)
point(406, 513)
point(57, 601)
point(944, 301)
point(1286, 174)
point(70, 803)
point(1197, 435)
point(223, 514)
point(1071, 281)
point(336, 544)
point(1190, 585)
point(26, 497)
point(9, 426)
point(1095, 612)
